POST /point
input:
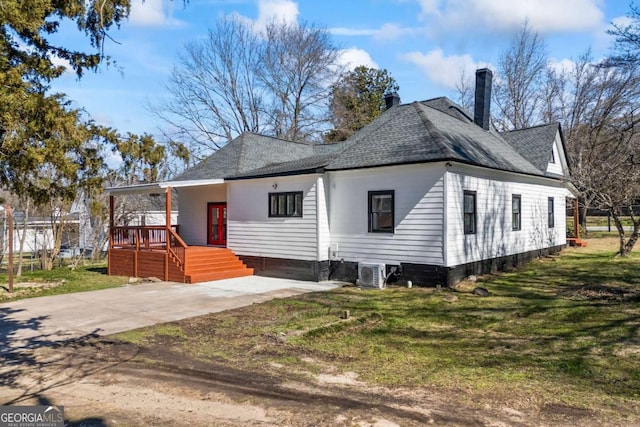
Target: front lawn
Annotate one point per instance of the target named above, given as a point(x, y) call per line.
point(60, 280)
point(564, 330)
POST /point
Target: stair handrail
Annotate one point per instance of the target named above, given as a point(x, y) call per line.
point(179, 249)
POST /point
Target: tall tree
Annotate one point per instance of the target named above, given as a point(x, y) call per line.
point(597, 105)
point(521, 70)
point(357, 99)
point(299, 64)
point(26, 27)
point(273, 81)
point(215, 90)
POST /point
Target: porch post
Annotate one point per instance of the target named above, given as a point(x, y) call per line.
point(110, 235)
point(168, 231)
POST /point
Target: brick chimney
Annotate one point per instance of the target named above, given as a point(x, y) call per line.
point(392, 99)
point(482, 100)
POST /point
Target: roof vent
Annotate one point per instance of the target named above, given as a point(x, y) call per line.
point(482, 101)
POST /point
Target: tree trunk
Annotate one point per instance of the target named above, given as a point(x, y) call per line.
point(621, 235)
point(635, 234)
point(22, 237)
point(626, 246)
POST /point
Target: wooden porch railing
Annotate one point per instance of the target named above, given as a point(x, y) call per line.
point(143, 237)
point(177, 247)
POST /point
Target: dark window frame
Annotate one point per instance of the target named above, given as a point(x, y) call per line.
point(280, 202)
point(370, 213)
point(473, 229)
point(551, 221)
point(516, 217)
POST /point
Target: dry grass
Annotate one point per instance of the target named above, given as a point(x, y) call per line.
point(561, 331)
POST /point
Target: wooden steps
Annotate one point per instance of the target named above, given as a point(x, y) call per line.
point(204, 264)
point(572, 241)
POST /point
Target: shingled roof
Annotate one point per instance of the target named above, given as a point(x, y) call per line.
point(247, 152)
point(534, 143)
point(417, 132)
point(420, 132)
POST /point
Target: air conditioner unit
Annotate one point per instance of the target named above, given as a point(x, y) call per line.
point(371, 275)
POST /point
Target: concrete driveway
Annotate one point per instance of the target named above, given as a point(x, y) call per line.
point(36, 322)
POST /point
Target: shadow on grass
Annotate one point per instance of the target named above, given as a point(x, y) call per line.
point(98, 270)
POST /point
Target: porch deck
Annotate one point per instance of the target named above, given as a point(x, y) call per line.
point(158, 251)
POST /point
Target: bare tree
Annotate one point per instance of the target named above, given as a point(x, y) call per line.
point(602, 140)
point(275, 81)
point(553, 95)
point(521, 70)
point(627, 40)
point(299, 67)
point(215, 90)
point(465, 90)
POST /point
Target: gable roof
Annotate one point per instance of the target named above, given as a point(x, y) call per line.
point(534, 143)
point(420, 132)
point(247, 152)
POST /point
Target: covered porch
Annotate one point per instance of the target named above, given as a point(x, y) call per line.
point(159, 250)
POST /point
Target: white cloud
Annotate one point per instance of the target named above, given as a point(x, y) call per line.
point(604, 41)
point(342, 31)
point(444, 71)
point(60, 62)
point(622, 21)
point(391, 31)
point(544, 16)
point(388, 31)
point(276, 10)
point(354, 57)
point(153, 13)
point(564, 65)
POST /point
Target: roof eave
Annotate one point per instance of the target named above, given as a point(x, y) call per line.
point(278, 174)
point(159, 187)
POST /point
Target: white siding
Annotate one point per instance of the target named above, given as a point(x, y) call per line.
point(193, 211)
point(154, 218)
point(494, 236)
point(252, 232)
point(419, 207)
point(324, 234)
point(559, 165)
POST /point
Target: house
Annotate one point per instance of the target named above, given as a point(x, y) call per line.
point(425, 192)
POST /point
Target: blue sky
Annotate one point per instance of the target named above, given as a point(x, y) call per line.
point(425, 44)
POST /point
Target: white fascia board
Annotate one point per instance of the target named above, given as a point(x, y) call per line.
point(159, 187)
point(192, 183)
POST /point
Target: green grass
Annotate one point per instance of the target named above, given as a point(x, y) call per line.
point(60, 280)
point(601, 221)
point(561, 330)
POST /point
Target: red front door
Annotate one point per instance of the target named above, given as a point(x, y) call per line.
point(217, 224)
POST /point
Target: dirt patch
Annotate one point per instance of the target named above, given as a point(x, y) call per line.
point(603, 292)
point(24, 288)
point(105, 383)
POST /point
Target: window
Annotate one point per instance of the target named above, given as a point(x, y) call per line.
point(553, 156)
point(381, 208)
point(469, 212)
point(516, 206)
point(550, 216)
point(285, 204)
